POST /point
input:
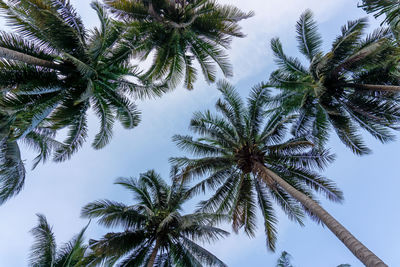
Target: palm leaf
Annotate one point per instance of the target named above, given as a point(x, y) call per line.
point(43, 251)
point(307, 36)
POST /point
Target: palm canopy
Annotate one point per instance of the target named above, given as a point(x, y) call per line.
point(156, 232)
point(179, 33)
point(232, 149)
point(389, 8)
point(353, 85)
point(44, 251)
point(284, 260)
point(52, 70)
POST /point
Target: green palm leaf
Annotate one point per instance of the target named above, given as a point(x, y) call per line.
point(45, 253)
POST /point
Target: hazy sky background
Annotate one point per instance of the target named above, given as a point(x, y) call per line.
point(370, 183)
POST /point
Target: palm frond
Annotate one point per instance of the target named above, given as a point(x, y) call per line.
point(113, 214)
point(12, 169)
point(43, 251)
point(289, 64)
point(202, 254)
point(270, 219)
point(76, 135)
point(307, 36)
point(383, 7)
point(105, 114)
point(72, 253)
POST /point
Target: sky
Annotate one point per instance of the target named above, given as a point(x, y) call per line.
point(370, 183)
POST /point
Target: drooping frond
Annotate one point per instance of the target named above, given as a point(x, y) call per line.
point(76, 135)
point(72, 253)
point(12, 169)
point(202, 254)
point(388, 8)
point(43, 251)
point(270, 219)
point(243, 210)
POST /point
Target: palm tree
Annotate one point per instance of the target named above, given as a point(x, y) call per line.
point(248, 162)
point(180, 32)
point(389, 8)
point(52, 70)
point(284, 260)
point(156, 233)
point(44, 252)
point(352, 85)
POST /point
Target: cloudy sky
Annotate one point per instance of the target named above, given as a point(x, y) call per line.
point(370, 183)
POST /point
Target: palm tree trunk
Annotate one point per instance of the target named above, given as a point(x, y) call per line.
point(374, 87)
point(356, 247)
point(28, 59)
point(154, 254)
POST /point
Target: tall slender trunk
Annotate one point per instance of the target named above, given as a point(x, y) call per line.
point(154, 254)
point(28, 59)
point(374, 87)
point(356, 247)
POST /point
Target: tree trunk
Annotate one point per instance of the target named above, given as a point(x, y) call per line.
point(374, 87)
point(31, 60)
point(154, 254)
point(356, 247)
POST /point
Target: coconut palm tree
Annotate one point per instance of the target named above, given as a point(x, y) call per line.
point(180, 32)
point(284, 260)
point(248, 162)
point(389, 8)
point(44, 251)
point(52, 70)
point(156, 232)
point(352, 86)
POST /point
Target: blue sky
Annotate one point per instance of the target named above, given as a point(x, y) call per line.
point(370, 183)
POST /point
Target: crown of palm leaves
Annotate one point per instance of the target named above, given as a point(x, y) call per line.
point(180, 33)
point(229, 146)
point(346, 89)
point(154, 226)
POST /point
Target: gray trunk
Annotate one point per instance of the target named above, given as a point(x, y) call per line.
point(355, 246)
point(373, 87)
point(31, 60)
point(154, 254)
